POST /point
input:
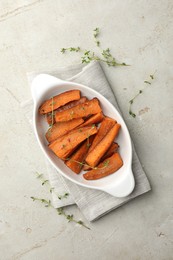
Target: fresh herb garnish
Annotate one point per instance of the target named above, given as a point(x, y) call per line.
point(66, 194)
point(60, 211)
point(148, 82)
point(44, 182)
point(70, 218)
point(44, 201)
point(80, 163)
point(71, 49)
point(48, 203)
point(96, 33)
point(106, 163)
point(88, 55)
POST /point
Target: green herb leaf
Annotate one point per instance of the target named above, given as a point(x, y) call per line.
point(139, 92)
point(96, 33)
point(132, 114)
point(45, 181)
point(147, 82)
point(60, 211)
point(71, 49)
point(106, 163)
point(63, 196)
point(51, 189)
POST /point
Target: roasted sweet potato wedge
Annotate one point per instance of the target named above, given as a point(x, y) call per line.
point(58, 101)
point(95, 119)
point(107, 167)
point(62, 128)
point(76, 161)
point(105, 127)
point(101, 148)
point(90, 107)
point(64, 145)
point(113, 148)
point(51, 116)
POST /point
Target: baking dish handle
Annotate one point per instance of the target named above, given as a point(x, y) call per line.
point(39, 85)
point(123, 189)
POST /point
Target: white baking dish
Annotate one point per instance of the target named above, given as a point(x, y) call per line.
point(118, 184)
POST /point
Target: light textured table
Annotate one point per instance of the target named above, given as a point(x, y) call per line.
point(139, 33)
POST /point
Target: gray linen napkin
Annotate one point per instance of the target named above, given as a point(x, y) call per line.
point(92, 203)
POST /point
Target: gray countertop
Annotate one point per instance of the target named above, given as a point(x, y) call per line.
point(31, 36)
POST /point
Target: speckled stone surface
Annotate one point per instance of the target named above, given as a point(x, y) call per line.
point(137, 32)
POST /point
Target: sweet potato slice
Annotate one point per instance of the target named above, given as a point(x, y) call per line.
point(62, 128)
point(105, 127)
point(101, 148)
point(58, 101)
point(113, 148)
point(75, 163)
point(51, 117)
point(64, 145)
point(90, 107)
point(107, 167)
point(95, 119)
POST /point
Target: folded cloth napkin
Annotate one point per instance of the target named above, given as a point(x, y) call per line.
point(92, 203)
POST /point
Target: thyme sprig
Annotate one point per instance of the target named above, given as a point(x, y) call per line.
point(71, 49)
point(70, 218)
point(148, 82)
point(44, 181)
point(88, 55)
point(66, 194)
point(96, 33)
point(48, 203)
point(106, 163)
point(44, 201)
point(80, 163)
point(60, 211)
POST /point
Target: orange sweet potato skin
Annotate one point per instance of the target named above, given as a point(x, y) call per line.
point(62, 128)
point(63, 146)
point(107, 167)
point(96, 154)
point(58, 101)
point(51, 118)
point(82, 110)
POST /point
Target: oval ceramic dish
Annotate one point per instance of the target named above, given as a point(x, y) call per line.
point(118, 184)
